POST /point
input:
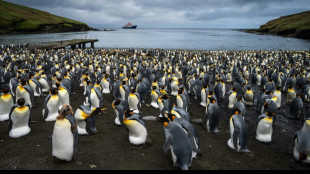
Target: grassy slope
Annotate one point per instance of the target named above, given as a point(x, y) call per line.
point(297, 25)
point(21, 18)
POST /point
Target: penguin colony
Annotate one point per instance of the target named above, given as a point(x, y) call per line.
point(173, 80)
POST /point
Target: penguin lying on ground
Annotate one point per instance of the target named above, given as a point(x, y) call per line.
point(176, 139)
point(264, 127)
point(19, 119)
point(120, 106)
point(85, 119)
point(301, 147)
point(136, 127)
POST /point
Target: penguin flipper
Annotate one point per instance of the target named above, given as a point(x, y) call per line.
point(236, 136)
point(150, 117)
point(167, 144)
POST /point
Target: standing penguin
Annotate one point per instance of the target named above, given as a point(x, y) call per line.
point(51, 106)
point(36, 86)
point(306, 122)
point(238, 132)
point(264, 127)
point(63, 94)
point(6, 102)
point(212, 117)
point(85, 119)
point(240, 105)
point(154, 97)
point(191, 131)
point(136, 127)
point(164, 102)
point(65, 135)
point(19, 119)
point(25, 91)
point(232, 98)
point(296, 107)
point(176, 139)
point(203, 95)
point(181, 99)
point(95, 98)
point(278, 94)
point(291, 94)
point(120, 106)
point(249, 96)
point(301, 146)
point(134, 101)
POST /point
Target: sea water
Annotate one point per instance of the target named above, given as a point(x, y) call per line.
point(193, 39)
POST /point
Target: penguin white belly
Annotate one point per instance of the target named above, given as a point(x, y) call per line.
point(173, 156)
point(117, 121)
point(33, 86)
point(44, 84)
point(290, 96)
point(137, 132)
point(259, 79)
point(6, 102)
point(230, 141)
point(64, 97)
point(232, 100)
point(21, 92)
point(133, 102)
point(264, 130)
point(228, 78)
point(94, 99)
point(62, 140)
point(278, 95)
point(174, 89)
point(11, 88)
point(20, 118)
point(223, 91)
point(179, 101)
point(122, 92)
point(154, 97)
point(203, 98)
point(248, 97)
point(296, 153)
point(106, 87)
point(52, 106)
point(80, 121)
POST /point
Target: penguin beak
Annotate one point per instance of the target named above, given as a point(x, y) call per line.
point(104, 109)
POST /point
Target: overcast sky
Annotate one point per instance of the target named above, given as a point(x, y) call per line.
point(170, 13)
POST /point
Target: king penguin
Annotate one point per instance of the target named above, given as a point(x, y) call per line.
point(95, 98)
point(19, 119)
point(264, 127)
point(63, 94)
point(291, 94)
point(191, 131)
point(25, 91)
point(212, 118)
point(238, 132)
point(232, 98)
point(65, 135)
point(306, 122)
point(85, 119)
point(176, 139)
point(134, 101)
point(296, 107)
point(136, 127)
point(249, 96)
point(36, 86)
point(301, 147)
point(120, 106)
point(51, 106)
point(278, 94)
point(181, 99)
point(6, 102)
point(154, 96)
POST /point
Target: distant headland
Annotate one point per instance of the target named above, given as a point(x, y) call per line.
point(295, 25)
point(18, 19)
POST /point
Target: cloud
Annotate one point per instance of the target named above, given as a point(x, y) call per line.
point(171, 13)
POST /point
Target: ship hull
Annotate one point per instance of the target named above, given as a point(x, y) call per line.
point(132, 27)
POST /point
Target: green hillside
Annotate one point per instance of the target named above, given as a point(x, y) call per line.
point(296, 25)
point(20, 19)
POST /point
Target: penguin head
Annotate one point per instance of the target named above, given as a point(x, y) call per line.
point(98, 110)
point(23, 82)
point(54, 91)
point(164, 120)
point(165, 97)
point(115, 103)
point(21, 102)
point(128, 113)
point(236, 111)
point(212, 99)
point(6, 90)
point(170, 116)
